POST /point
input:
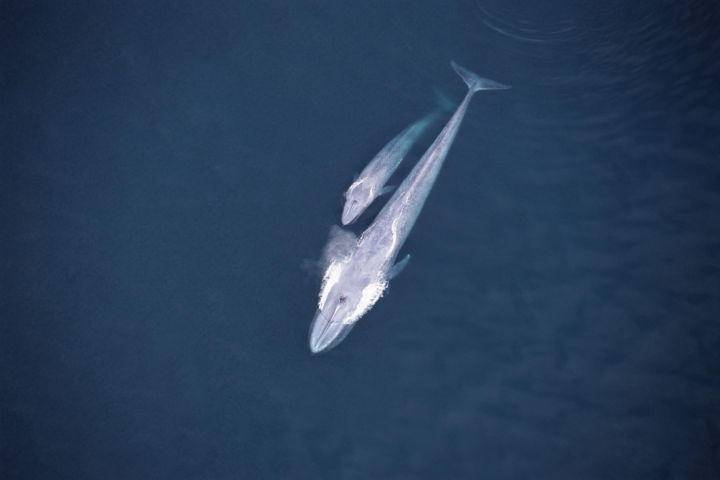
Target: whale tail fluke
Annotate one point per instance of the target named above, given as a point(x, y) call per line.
point(475, 82)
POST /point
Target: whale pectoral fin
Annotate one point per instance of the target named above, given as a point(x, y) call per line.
point(398, 267)
point(387, 189)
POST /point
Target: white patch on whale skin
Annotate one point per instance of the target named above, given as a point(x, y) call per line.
point(370, 295)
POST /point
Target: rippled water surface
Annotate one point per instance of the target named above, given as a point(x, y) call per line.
point(169, 167)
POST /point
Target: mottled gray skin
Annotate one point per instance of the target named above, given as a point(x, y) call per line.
point(354, 283)
point(369, 184)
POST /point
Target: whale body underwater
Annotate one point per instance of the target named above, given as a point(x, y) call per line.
point(356, 278)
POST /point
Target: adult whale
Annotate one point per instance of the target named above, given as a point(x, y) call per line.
point(355, 281)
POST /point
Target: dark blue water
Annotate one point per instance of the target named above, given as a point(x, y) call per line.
point(168, 166)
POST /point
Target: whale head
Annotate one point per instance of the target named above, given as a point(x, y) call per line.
point(344, 297)
point(357, 199)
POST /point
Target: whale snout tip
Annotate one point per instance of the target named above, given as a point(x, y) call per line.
point(347, 220)
point(316, 348)
point(352, 210)
point(322, 340)
point(320, 344)
point(326, 333)
point(348, 217)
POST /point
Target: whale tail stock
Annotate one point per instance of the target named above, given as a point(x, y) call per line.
point(474, 82)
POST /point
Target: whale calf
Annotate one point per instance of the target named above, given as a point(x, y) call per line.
point(356, 280)
point(370, 184)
